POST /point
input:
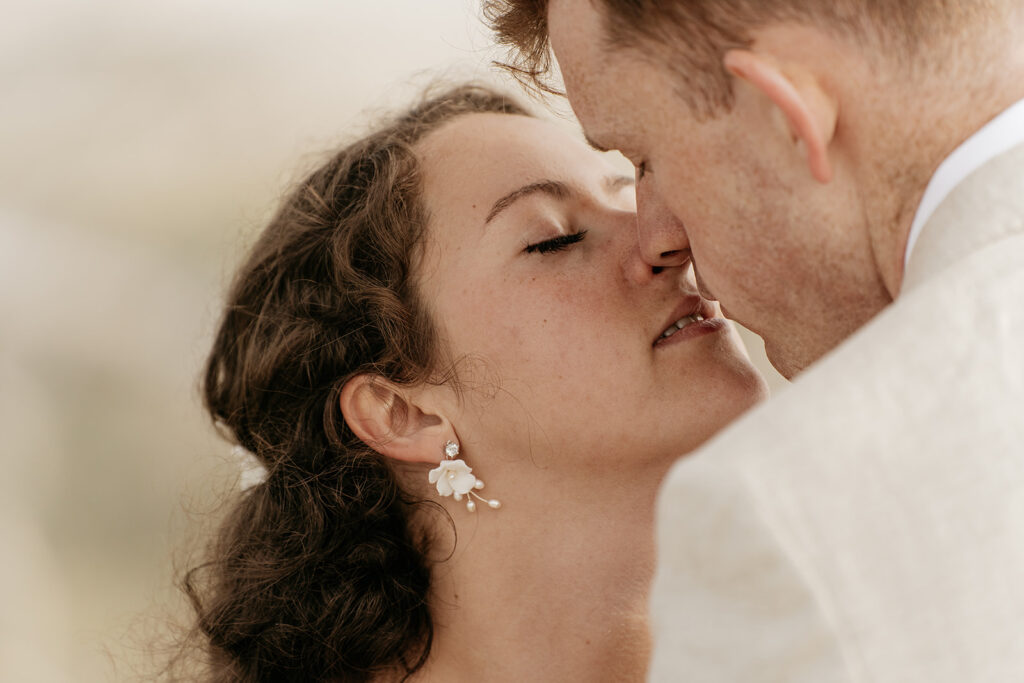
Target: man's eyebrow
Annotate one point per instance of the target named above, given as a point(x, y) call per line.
point(552, 188)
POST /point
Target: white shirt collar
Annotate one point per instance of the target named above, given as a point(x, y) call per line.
point(997, 136)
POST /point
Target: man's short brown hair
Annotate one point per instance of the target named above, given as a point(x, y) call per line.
point(696, 34)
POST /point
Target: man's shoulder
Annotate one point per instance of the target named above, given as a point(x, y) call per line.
point(884, 489)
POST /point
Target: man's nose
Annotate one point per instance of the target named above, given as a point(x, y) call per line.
point(662, 237)
point(640, 272)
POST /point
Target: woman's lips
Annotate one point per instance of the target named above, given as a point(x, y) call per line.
point(693, 331)
point(692, 306)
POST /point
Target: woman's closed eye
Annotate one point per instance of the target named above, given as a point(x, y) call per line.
point(555, 243)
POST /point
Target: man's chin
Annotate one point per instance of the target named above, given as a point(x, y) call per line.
point(784, 362)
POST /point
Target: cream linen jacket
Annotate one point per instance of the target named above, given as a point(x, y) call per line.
point(867, 525)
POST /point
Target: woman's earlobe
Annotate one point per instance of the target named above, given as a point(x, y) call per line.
point(808, 110)
point(389, 419)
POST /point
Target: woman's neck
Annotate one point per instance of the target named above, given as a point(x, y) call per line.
point(549, 588)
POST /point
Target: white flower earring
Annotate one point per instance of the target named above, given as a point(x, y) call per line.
point(455, 478)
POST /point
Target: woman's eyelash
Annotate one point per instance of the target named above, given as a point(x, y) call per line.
point(555, 243)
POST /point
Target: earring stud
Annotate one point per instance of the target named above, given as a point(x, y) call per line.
point(455, 478)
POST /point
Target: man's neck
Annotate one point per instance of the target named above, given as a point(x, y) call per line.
point(939, 129)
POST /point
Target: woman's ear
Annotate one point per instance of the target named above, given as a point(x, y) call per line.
point(808, 109)
point(393, 420)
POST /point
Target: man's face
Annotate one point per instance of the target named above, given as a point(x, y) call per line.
point(787, 256)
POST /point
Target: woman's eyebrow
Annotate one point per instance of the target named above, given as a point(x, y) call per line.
point(552, 188)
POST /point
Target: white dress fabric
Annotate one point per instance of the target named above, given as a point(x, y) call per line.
point(867, 525)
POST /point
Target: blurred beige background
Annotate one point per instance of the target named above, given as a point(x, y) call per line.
point(142, 145)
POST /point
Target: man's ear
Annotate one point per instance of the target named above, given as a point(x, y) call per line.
point(394, 420)
point(808, 109)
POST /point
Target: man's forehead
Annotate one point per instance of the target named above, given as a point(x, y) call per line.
point(577, 36)
point(593, 72)
point(576, 32)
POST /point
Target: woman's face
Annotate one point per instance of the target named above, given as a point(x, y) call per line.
point(532, 273)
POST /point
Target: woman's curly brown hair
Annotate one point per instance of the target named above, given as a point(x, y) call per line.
point(317, 574)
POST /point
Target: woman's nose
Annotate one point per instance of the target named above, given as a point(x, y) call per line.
point(662, 237)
